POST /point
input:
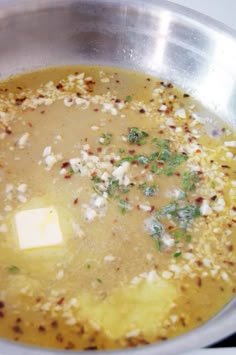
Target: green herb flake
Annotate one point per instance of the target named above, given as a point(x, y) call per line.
point(213, 184)
point(105, 138)
point(177, 254)
point(113, 185)
point(189, 181)
point(150, 190)
point(154, 169)
point(178, 234)
point(188, 238)
point(187, 213)
point(71, 171)
point(136, 136)
point(13, 268)
point(88, 266)
point(121, 150)
point(158, 244)
point(128, 98)
point(99, 281)
point(124, 205)
point(96, 179)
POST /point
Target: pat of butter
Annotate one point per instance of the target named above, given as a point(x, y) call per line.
point(38, 228)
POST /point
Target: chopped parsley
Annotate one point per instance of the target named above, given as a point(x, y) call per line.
point(140, 159)
point(128, 98)
point(114, 189)
point(99, 281)
point(188, 238)
point(177, 254)
point(183, 214)
point(96, 179)
point(213, 184)
point(136, 136)
point(113, 185)
point(105, 138)
point(164, 156)
point(148, 190)
point(121, 150)
point(124, 205)
point(13, 268)
point(189, 181)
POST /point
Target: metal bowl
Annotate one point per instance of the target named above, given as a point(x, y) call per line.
point(153, 36)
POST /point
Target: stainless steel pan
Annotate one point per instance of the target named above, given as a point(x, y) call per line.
point(152, 36)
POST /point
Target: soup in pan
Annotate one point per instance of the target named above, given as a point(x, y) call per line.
point(117, 209)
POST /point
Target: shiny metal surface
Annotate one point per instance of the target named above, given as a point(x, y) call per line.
point(156, 37)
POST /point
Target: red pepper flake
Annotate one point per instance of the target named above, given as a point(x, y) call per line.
point(213, 198)
point(234, 208)
point(117, 81)
point(20, 101)
point(59, 338)
point(96, 110)
point(138, 207)
point(142, 110)
point(172, 127)
point(1, 314)
point(2, 304)
point(67, 176)
point(54, 324)
point(61, 300)
point(152, 209)
point(42, 112)
point(199, 263)
point(8, 130)
point(199, 282)
point(99, 149)
point(118, 101)
point(132, 151)
point(18, 320)
point(66, 164)
point(148, 79)
point(225, 166)
point(183, 321)
point(199, 200)
point(17, 329)
point(90, 348)
point(230, 263)
point(59, 86)
point(112, 161)
point(198, 151)
point(69, 346)
point(76, 201)
point(41, 329)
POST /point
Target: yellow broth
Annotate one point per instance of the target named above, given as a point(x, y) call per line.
point(142, 179)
